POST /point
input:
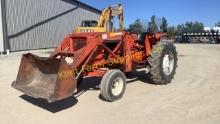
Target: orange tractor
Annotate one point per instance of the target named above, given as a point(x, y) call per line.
point(106, 55)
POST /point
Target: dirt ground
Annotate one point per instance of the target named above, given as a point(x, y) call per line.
point(192, 97)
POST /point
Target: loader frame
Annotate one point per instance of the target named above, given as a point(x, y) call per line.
point(125, 44)
point(91, 54)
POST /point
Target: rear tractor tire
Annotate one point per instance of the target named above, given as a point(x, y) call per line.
point(113, 85)
point(162, 63)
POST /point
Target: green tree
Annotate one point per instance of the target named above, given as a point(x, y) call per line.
point(194, 27)
point(171, 32)
point(164, 25)
point(180, 29)
point(198, 27)
point(188, 27)
point(152, 25)
point(136, 27)
point(217, 24)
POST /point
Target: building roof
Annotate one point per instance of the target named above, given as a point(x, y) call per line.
point(81, 4)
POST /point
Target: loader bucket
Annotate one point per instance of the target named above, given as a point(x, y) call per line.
point(39, 77)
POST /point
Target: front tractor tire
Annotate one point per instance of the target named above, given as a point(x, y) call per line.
point(162, 63)
point(113, 85)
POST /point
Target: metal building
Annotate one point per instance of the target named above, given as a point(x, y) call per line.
point(34, 24)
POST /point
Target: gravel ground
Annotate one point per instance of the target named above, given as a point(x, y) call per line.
point(192, 97)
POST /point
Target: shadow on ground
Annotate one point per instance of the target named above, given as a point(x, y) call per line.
point(52, 107)
point(139, 76)
point(90, 83)
point(86, 84)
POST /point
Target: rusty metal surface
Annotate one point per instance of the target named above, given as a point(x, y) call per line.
point(38, 77)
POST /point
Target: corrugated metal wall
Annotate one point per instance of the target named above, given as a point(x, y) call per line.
point(1, 31)
point(34, 24)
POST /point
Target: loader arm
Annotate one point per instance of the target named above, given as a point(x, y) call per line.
point(52, 78)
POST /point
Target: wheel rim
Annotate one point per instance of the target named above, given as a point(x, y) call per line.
point(117, 86)
point(168, 63)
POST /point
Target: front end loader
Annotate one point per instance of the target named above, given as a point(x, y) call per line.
point(106, 55)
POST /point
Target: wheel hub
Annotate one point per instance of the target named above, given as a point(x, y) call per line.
point(117, 86)
point(168, 63)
